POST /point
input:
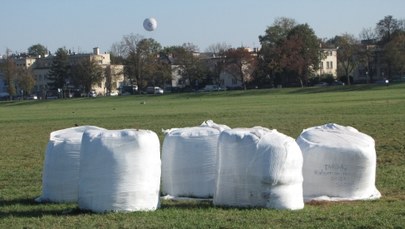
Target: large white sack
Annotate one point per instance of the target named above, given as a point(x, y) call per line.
point(258, 167)
point(119, 171)
point(60, 177)
point(339, 163)
point(189, 157)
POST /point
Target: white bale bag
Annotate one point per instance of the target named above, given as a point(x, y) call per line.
point(258, 167)
point(189, 157)
point(339, 163)
point(60, 177)
point(119, 171)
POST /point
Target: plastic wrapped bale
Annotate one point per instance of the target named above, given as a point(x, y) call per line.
point(119, 171)
point(258, 167)
point(189, 158)
point(339, 163)
point(60, 177)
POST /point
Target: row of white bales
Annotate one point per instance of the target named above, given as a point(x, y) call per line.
point(123, 170)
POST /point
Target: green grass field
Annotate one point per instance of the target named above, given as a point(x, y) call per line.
point(378, 111)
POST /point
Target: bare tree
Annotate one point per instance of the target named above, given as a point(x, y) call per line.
point(218, 48)
point(367, 52)
point(368, 34)
point(386, 28)
point(348, 54)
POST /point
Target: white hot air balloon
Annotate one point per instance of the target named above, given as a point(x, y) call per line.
point(150, 24)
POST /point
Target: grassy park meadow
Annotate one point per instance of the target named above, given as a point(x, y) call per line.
point(376, 110)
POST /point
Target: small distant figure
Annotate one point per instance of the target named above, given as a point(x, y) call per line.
point(387, 82)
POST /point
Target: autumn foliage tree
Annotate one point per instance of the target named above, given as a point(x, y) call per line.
point(290, 51)
point(269, 60)
point(240, 63)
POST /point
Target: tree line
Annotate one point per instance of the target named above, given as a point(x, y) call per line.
point(290, 54)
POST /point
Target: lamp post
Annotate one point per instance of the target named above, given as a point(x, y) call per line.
point(367, 77)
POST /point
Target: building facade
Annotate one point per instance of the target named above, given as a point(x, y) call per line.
point(41, 67)
point(329, 63)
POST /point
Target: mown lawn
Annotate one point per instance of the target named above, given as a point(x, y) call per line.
point(378, 111)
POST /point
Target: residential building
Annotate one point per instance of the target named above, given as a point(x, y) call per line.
point(328, 64)
point(41, 68)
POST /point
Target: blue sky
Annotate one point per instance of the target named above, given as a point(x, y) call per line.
point(80, 25)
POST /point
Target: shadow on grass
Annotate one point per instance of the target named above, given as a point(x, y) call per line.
point(37, 209)
point(21, 201)
point(186, 204)
point(309, 90)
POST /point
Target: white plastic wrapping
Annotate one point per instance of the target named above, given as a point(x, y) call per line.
point(119, 171)
point(60, 177)
point(258, 167)
point(189, 157)
point(339, 163)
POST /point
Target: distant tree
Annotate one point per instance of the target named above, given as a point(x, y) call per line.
point(132, 58)
point(278, 31)
point(347, 54)
point(9, 70)
point(141, 59)
point(394, 54)
point(37, 50)
point(153, 71)
point(86, 73)
point(368, 34)
point(109, 79)
point(117, 54)
point(218, 48)
point(386, 28)
point(26, 80)
point(59, 71)
point(367, 52)
point(217, 62)
point(241, 64)
point(269, 55)
point(189, 65)
point(299, 53)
